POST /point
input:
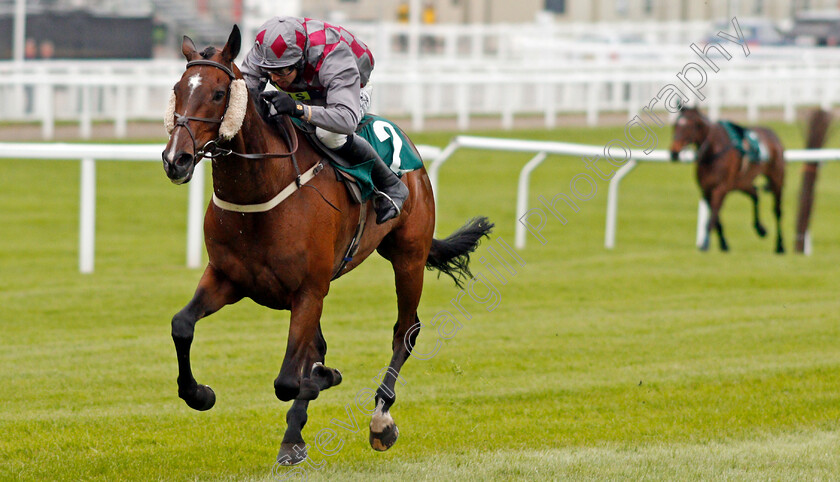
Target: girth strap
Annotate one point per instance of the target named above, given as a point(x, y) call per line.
point(355, 243)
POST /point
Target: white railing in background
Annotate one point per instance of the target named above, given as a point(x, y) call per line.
point(435, 157)
point(464, 71)
point(47, 95)
point(543, 149)
point(90, 153)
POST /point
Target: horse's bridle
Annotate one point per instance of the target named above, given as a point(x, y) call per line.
point(212, 149)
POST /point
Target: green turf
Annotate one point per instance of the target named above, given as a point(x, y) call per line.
point(651, 361)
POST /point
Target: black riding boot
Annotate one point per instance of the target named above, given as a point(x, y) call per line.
point(392, 193)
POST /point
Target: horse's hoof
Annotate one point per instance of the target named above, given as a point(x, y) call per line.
point(330, 376)
point(202, 399)
point(383, 431)
point(291, 454)
point(385, 440)
point(308, 390)
point(724, 248)
point(760, 230)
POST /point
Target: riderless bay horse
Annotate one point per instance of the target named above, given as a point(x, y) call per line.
point(721, 169)
point(278, 232)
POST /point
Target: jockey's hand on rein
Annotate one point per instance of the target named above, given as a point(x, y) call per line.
point(282, 103)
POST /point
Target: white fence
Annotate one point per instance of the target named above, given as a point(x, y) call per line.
point(532, 70)
point(543, 149)
point(90, 153)
point(50, 95)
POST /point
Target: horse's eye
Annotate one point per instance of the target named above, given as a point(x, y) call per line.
point(219, 95)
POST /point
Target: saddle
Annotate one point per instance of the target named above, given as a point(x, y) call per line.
point(747, 142)
point(390, 143)
point(350, 182)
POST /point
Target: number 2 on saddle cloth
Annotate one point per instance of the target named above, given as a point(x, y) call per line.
point(389, 141)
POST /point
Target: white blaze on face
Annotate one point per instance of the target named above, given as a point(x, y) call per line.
point(195, 81)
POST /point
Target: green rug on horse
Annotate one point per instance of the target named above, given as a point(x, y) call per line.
point(755, 151)
point(390, 143)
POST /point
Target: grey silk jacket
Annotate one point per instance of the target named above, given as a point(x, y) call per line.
point(335, 68)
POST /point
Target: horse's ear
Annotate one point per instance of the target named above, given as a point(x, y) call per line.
point(234, 43)
point(188, 48)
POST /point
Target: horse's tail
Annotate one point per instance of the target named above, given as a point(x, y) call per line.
point(451, 256)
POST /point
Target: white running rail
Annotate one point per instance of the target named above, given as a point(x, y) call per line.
point(543, 149)
point(90, 153)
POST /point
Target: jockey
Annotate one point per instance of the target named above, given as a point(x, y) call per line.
point(320, 72)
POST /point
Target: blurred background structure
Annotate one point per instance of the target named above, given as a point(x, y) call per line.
point(116, 60)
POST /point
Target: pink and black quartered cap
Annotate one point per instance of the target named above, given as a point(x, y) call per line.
point(280, 43)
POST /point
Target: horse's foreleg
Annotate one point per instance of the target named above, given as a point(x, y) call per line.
point(752, 192)
point(293, 448)
point(704, 246)
point(214, 291)
point(294, 380)
point(715, 201)
point(409, 283)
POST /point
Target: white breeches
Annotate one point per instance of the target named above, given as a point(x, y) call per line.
point(333, 140)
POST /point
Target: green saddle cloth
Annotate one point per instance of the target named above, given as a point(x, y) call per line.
point(390, 143)
point(755, 151)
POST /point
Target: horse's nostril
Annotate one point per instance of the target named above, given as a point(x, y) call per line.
point(183, 159)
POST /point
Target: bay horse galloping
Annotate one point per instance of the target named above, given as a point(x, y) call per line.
point(721, 168)
point(290, 237)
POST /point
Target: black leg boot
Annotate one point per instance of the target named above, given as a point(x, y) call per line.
point(392, 193)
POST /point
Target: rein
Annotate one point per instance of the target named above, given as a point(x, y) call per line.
point(213, 150)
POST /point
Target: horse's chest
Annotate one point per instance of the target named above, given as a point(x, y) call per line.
point(261, 262)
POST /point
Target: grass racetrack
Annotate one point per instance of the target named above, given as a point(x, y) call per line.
point(651, 361)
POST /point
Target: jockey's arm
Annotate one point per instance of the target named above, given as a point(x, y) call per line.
point(340, 76)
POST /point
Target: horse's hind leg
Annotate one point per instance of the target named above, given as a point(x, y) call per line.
point(721, 237)
point(775, 181)
point(214, 291)
point(409, 265)
point(752, 192)
point(776, 186)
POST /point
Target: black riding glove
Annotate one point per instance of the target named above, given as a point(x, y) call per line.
point(282, 103)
